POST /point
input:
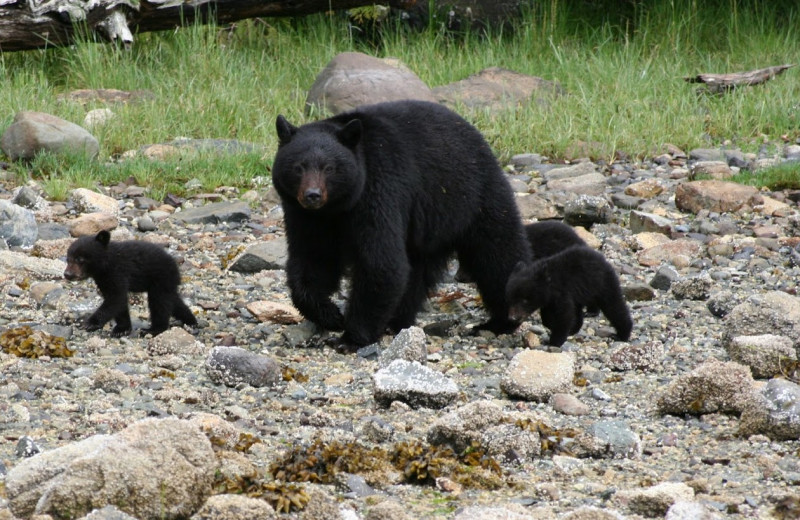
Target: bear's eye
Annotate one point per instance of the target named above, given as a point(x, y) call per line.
point(297, 169)
point(328, 169)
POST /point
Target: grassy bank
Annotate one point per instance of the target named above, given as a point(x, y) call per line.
point(623, 75)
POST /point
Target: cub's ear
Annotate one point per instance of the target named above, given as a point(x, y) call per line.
point(104, 237)
point(350, 134)
point(286, 130)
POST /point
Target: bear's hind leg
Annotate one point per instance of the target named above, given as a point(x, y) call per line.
point(616, 312)
point(182, 312)
point(578, 322)
point(160, 305)
point(423, 276)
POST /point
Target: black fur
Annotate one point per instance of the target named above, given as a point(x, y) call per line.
point(561, 284)
point(547, 238)
point(129, 266)
point(389, 191)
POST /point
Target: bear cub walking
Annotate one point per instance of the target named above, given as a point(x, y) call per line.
point(561, 285)
point(546, 238)
point(129, 266)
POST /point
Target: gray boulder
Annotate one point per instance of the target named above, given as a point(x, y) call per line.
point(33, 132)
point(233, 366)
point(774, 411)
point(414, 384)
point(271, 254)
point(353, 79)
point(774, 312)
point(17, 225)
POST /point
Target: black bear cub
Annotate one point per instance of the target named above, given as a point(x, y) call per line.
point(561, 285)
point(387, 193)
point(546, 238)
point(128, 266)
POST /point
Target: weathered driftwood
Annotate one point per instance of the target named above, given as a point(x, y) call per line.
point(726, 82)
point(34, 24)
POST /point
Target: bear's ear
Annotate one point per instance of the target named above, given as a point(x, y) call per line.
point(104, 237)
point(350, 134)
point(285, 129)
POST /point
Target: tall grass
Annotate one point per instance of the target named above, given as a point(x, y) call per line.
point(621, 65)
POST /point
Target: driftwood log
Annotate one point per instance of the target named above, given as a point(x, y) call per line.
point(35, 24)
point(724, 82)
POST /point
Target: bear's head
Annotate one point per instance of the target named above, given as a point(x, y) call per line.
point(317, 165)
point(87, 255)
point(527, 289)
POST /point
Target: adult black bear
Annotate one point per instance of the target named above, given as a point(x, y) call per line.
point(128, 266)
point(561, 284)
point(389, 191)
point(547, 238)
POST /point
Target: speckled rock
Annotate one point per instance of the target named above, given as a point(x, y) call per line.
point(413, 383)
point(174, 341)
point(767, 355)
point(655, 501)
point(696, 287)
point(608, 439)
point(233, 366)
point(535, 375)
point(17, 225)
point(465, 425)
point(132, 470)
point(409, 344)
point(774, 312)
point(775, 411)
point(235, 507)
point(714, 386)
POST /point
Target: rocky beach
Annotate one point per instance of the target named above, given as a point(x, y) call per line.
point(696, 417)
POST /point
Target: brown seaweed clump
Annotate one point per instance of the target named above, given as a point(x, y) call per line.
point(26, 342)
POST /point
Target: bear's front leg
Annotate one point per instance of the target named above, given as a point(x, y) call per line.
point(378, 285)
point(110, 308)
point(559, 317)
point(311, 285)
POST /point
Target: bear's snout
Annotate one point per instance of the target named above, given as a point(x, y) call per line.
point(72, 274)
point(517, 313)
point(312, 198)
point(313, 193)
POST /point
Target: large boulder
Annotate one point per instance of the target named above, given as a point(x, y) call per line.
point(496, 88)
point(153, 469)
point(33, 132)
point(352, 79)
point(719, 196)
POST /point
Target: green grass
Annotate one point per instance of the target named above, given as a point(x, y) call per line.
point(621, 64)
point(782, 177)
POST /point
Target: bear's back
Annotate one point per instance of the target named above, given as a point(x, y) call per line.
point(146, 265)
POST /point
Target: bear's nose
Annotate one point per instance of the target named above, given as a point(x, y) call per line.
point(312, 197)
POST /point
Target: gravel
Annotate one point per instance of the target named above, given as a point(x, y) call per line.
point(627, 458)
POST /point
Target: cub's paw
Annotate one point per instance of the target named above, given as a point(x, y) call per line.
point(155, 331)
point(118, 331)
point(506, 326)
point(88, 325)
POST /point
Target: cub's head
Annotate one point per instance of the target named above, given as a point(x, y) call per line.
point(86, 255)
point(527, 289)
point(316, 165)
